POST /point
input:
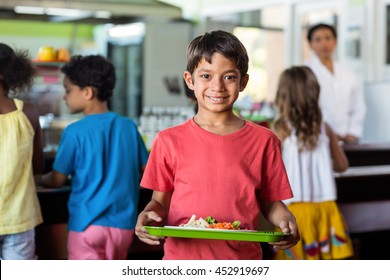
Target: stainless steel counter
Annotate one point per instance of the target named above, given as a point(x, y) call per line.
point(358, 171)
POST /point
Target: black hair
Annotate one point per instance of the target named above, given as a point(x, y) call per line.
point(92, 71)
point(315, 27)
point(217, 41)
point(17, 72)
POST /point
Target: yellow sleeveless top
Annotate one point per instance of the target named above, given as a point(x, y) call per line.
point(19, 206)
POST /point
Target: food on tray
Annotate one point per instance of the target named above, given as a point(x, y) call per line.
point(197, 223)
point(226, 225)
point(210, 222)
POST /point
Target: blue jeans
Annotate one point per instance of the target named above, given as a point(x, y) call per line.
point(18, 246)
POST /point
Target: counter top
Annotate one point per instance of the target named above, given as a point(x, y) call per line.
point(366, 147)
point(358, 171)
point(53, 190)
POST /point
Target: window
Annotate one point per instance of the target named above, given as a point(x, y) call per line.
point(262, 33)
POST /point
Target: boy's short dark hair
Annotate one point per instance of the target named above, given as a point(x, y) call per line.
point(317, 26)
point(217, 41)
point(92, 71)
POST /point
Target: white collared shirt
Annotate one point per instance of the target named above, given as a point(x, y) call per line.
point(341, 98)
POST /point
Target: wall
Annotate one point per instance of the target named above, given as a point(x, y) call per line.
point(377, 128)
point(31, 35)
point(164, 63)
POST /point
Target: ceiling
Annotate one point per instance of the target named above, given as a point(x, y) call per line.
point(120, 10)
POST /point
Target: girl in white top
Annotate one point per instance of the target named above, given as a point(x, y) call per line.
point(341, 99)
point(310, 152)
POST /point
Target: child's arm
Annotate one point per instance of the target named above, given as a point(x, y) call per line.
point(38, 157)
point(340, 161)
point(277, 213)
point(51, 179)
point(155, 212)
point(349, 139)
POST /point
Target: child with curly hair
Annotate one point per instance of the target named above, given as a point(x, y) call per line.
point(21, 156)
point(104, 154)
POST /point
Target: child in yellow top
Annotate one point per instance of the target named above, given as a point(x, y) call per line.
point(20, 156)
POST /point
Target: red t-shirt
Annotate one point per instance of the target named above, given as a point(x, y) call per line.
point(220, 176)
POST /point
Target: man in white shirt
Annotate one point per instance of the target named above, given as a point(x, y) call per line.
point(341, 97)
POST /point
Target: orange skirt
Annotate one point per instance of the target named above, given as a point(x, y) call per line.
point(324, 234)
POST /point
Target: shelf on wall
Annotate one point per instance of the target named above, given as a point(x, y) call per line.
point(49, 71)
point(49, 63)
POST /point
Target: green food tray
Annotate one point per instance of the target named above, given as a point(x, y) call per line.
point(204, 233)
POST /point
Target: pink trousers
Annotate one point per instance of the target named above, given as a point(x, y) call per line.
point(99, 243)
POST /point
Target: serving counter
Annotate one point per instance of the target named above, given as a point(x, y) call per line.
point(367, 154)
point(364, 198)
point(51, 236)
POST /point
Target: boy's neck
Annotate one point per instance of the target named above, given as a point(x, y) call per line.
point(96, 107)
point(221, 124)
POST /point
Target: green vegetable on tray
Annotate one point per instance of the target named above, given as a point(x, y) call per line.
point(213, 223)
point(210, 220)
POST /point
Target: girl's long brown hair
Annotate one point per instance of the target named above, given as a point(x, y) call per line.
point(297, 103)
